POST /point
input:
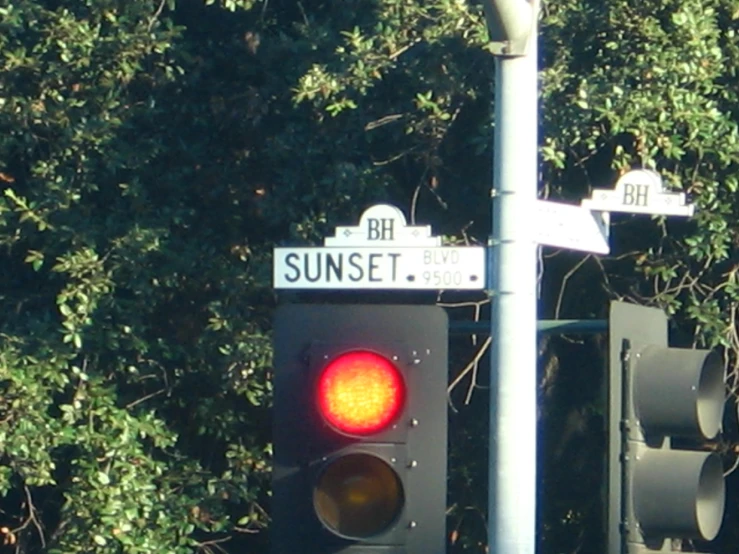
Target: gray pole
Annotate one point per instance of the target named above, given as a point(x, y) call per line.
point(512, 463)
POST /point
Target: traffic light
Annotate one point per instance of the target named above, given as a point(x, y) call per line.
point(360, 429)
point(656, 491)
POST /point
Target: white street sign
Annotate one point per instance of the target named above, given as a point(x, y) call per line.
point(380, 268)
point(639, 191)
point(570, 226)
point(382, 252)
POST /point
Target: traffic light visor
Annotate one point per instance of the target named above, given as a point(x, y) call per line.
point(360, 393)
point(679, 391)
point(358, 496)
point(679, 493)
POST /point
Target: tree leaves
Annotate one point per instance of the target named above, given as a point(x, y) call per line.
point(151, 154)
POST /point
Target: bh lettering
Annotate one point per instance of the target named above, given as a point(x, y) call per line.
point(635, 195)
point(380, 228)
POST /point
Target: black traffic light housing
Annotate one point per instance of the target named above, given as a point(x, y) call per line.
point(657, 492)
point(380, 489)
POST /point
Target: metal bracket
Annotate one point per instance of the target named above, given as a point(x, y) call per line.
point(511, 24)
point(509, 48)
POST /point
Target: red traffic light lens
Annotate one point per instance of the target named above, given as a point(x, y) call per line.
point(360, 393)
point(358, 496)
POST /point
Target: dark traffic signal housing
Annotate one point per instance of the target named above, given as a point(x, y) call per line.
point(657, 492)
point(360, 429)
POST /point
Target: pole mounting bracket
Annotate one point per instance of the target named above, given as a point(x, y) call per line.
point(510, 24)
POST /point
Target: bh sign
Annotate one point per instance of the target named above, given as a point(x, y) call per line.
point(382, 252)
point(639, 191)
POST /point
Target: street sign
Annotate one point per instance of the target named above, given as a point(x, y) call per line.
point(379, 268)
point(640, 191)
point(382, 252)
point(570, 226)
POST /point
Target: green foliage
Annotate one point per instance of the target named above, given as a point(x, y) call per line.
point(652, 88)
point(152, 154)
point(126, 425)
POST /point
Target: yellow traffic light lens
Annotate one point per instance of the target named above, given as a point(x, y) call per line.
point(360, 393)
point(358, 496)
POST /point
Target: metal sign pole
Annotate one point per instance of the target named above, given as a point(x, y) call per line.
point(512, 462)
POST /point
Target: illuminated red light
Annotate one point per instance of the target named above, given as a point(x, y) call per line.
point(360, 393)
